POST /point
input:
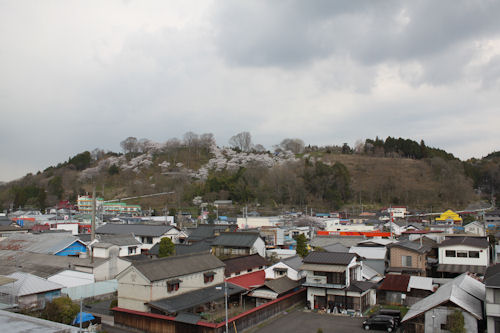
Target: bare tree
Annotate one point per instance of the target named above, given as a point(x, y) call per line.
point(97, 154)
point(143, 145)
point(207, 140)
point(259, 148)
point(242, 141)
point(190, 139)
point(296, 146)
point(129, 145)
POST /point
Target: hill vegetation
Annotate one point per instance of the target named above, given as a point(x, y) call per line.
point(373, 173)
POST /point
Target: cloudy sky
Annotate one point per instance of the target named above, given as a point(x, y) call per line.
point(76, 75)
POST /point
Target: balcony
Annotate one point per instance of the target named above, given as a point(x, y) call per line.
point(321, 282)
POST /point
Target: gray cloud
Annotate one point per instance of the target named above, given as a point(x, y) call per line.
point(76, 75)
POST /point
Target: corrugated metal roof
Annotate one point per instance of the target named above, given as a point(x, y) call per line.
point(28, 284)
point(464, 291)
point(420, 282)
point(48, 243)
point(395, 282)
point(368, 252)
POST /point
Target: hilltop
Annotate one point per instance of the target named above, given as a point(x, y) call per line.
point(375, 173)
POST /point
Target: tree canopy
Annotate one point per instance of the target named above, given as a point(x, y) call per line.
point(167, 247)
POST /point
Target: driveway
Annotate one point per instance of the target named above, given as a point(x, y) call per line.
point(299, 321)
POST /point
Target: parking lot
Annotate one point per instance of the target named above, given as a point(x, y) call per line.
point(299, 321)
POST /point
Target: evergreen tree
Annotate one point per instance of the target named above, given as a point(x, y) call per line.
point(301, 245)
point(167, 247)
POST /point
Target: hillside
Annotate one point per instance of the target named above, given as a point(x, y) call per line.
point(321, 177)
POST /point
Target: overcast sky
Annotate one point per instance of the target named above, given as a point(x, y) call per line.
point(76, 75)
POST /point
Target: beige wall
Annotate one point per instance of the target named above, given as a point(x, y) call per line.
point(134, 290)
point(417, 261)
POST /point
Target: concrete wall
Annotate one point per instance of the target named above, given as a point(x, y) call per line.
point(441, 314)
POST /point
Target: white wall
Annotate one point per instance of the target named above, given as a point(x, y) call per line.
point(483, 259)
point(259, 247)
point(291, 273)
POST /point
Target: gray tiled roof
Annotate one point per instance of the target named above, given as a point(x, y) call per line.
point(169, 267)
point(294, 262)
point(243, 263)
point(208, 231)
point(282, 285)
point(347, 241)
point(479, 242)
point(237, 239)
point(194, 298)
point(329, 258)
point(181, 249)
point(120, 240)
point(409, 245)
point(136, 229)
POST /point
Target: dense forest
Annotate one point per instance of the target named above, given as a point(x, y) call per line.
point(292, 175)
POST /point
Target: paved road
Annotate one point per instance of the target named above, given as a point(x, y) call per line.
point(307, 322)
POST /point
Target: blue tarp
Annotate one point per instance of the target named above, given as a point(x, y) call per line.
point(85, 317)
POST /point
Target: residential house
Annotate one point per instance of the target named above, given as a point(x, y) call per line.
point(209, 231)
point(243, 265)
point(404, 289)
point(492, 304)
point(463, 254)
point(333, 280)
point(147, 234)
point(289, 267)
point(408, 257)
point(373, 256)
point(238, 243)
point(30, 291)
point(122, 245)
point(431, 314)
point(274, 289)
point(492, 217)
point(476, 228)
point(347, 241)
point(152, 284)
point(274, 237)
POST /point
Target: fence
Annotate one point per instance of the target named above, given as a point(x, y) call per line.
point(91, 290)
point(149, 322)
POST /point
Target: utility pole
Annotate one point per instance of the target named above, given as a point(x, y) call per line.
point(225, 298)
point(92, 227)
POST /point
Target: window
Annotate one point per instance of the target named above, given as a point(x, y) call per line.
point(208, 277)
point(147, 240)
point(132, 249)
point(451, 253)
point(496, 296)
point(473, 254)
point(319, 273)
point(173, 285)
point(406, 261)
point(462, 254)
point(249, 270)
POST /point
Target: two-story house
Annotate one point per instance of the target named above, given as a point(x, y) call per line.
point(230, 244)
point(123, 245)
point(407, 257)
point(333, 280)
point(147, 234)
point(492, 304)
point(172, 284)
point(463, 254)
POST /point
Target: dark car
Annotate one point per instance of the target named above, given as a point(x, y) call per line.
point(379, 322)
point(395, 314)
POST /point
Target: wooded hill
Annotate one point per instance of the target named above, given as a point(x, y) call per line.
point(374, 173)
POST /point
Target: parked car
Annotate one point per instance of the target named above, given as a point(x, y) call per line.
point(395, 314)
point(379, 322)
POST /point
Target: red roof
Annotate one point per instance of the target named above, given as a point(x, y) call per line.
point(395, 282)
point(250, 280)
